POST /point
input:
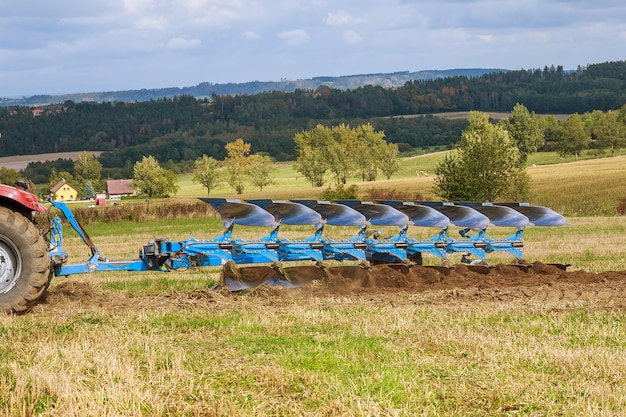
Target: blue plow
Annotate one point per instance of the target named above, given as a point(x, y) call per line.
point(277, 260)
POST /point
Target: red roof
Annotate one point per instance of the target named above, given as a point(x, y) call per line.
point(119, 187)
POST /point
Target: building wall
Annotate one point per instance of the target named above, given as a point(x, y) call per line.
point(66, 193)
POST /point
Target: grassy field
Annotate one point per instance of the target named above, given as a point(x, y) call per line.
point(193, 354)
point(163, 344)
point(588, 187)
point(148, 344)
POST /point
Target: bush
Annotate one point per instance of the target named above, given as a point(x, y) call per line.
point(141, 212)
point(404, 147)
point(391, 194)
point(341, 193)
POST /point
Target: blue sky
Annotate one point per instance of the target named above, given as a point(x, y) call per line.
point(69, 46)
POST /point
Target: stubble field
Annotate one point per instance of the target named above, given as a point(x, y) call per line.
point(462, 341)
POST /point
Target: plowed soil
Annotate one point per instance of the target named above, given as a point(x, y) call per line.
point(539, 283)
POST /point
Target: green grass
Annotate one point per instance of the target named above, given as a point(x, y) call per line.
point(547, 158)
point(291, 183)
point(200, 280)
point(315, 357)
point(588, 187)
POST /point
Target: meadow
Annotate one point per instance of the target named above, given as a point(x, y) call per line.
point(588, 187)
point(148, 344)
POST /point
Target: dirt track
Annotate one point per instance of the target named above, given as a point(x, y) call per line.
point(502, 283)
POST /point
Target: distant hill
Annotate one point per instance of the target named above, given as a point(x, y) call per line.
point(206, 89)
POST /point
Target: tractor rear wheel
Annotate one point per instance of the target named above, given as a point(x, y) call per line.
point(25, 270)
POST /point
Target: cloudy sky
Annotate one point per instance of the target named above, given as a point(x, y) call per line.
point(68, 46)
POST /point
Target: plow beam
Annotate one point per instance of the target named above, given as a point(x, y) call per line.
point(386, 250)
point(423, 216)
point(290, 213)
point(270, 259)
point(333, 214)
point(469, 219)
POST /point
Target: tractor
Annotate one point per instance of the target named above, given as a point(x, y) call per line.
point(25, 266)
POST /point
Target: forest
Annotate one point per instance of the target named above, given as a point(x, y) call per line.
point(178, 130)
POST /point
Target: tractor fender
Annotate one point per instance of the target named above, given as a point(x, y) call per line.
point(20, 200)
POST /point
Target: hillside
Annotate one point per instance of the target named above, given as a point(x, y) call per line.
point(207, 89)
point(178, 130)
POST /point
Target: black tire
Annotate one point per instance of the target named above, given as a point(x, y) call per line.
point(25, 270)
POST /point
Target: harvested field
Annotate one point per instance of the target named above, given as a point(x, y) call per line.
point(391, 342)
point(429, 340)
point(19, 162)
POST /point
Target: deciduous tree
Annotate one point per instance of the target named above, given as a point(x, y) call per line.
point(370, 148)
point(206, 172)
point(151, 180)
point(388, 161)
point(310, 160)
point(484, 167)
point(87, 167)
point(525, 131)
point(611, 131)
point(56, 177)
point(341, 153)
point(8, 175)
point(260, 171)
point(237, 162)
point(574, 137)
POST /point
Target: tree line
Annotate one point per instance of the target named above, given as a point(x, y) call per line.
point(489, 162)
point(179, 131)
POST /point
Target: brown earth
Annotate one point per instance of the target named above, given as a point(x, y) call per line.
point(538, 284)
point(19, 162)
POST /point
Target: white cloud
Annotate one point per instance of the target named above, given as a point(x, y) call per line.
point(351, 37)
point(151, 23)
point(182, 43)
point(77, 43)
point(137, 6)
point(251, 35)
point(293, 37)
point(340, 18)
